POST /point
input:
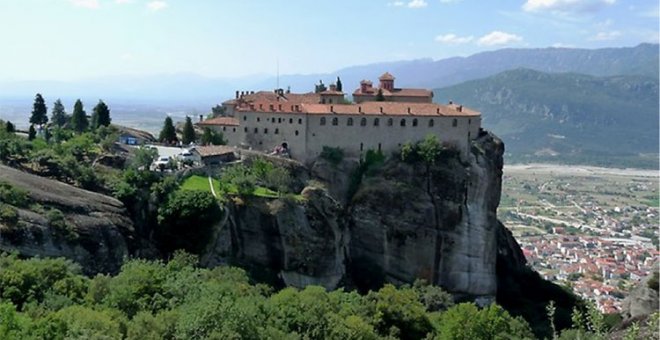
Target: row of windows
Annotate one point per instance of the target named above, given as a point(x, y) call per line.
point(277, 131)
point(390, 122)
point(276, 120)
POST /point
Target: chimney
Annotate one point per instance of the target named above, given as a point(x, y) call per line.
point(451, 102)
point(381, 109)
point(332, 108)
point(437, 110)
point(201, 118)
point(333, 87)
point(272, 107)
point(279, 107)
point(236, 94)
point(360, 109)
point(408, 110)
point(459, 108)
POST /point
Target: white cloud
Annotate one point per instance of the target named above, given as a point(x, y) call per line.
point(498, 38)
point(91, 4)
point(417, 4)
point(157, 5)
point(396, 4)
point(451, 38)
point(566, 5)
point(562, 45)
point(609, 35)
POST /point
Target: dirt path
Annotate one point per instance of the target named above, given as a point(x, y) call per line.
point(578, 170)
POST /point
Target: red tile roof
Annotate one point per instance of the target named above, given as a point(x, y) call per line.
point(386, 76)
point(220, 121)
point(213, 150)
point(407, 92)
point(368, 108)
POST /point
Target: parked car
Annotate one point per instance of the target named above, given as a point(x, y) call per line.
point(186, 156)
point(161, 163)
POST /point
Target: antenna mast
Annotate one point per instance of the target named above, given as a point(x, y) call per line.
point(278, 73)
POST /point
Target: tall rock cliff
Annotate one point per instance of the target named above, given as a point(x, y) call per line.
point(404, 222)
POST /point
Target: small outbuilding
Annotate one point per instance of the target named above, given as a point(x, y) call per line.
point(214, 154)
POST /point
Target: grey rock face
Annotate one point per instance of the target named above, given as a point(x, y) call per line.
point(641, 302)
point(97, 233)
point(404, 222)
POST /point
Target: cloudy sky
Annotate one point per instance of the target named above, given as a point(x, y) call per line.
point(74, 39)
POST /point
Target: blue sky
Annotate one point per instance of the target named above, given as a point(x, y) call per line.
point(77, 39)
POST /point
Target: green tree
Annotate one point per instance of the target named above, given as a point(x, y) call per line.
point(168, 133)
point(79, 121)
point(188, 132)
point(339, 85)
point(39, 111)
point(32, 133)
point(212, 137)
point(379, 96)
point(466, 321)
point(143, 157)
point(9, 127)
point(218, 111)
point(100, 115)
point(58, 115)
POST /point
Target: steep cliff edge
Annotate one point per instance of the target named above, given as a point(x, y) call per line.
point(89, 228)
point(405, 221)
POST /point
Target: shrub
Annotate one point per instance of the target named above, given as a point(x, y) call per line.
point(56, 221)
point(8, 214)
point(332, 155)
point(13, 196)
point(653, 282)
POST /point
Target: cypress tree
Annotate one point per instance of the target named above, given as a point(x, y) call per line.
point(339, 86)
point(100, 115)
point(188, 132)
point(32, 133)
point(379, 96)
point(79, 120)
point(168, 133)
point(9, 127)
point(39, 111)
point(58, 115)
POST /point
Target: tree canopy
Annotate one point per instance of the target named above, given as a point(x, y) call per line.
point(39, 111)
point(188, 135)
point(58, 114)
point(168, 133)
point(79, 121)
point(100, 115)
point(212, 137)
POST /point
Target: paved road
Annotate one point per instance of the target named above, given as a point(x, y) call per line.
point(168, 151)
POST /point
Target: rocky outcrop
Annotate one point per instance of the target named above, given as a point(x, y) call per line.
point(94, 230)
point(642, 300)
point(404, 222)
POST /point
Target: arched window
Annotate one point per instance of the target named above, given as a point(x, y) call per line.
point(454, 123)
point(296, 132)
point(322, 120)
point(431, 122)
point(335, 121)
point(299, 120)
point(224, 128)
point(363, 122)
point(415, 122)
point(245, 129)
point(256, 130)
point(390, 122)
point(376, 122)
point(233, 130)
point(244, 117)
point(266, 131)
point(403, 122)
point(290, 120)
point(349, 122)
point(277, 131)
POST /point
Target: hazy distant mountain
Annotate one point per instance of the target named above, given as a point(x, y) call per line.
point(202, 91)
point(568, 117)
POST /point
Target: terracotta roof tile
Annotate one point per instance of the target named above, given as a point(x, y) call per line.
point(390, 109)
point(213, 150)
point(221, 121)
point(386, 76)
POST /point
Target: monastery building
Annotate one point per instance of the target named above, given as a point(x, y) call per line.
point(380, 118)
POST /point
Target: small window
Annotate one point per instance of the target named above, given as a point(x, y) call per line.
point(244, 117)
point(390, 122)
point(265, 131)
point(415, 122)
point(245, 129)
point(349, 122)
point(361, 146)
point(376, 122)
point(363, 122)
point(431, 122)
point(454, 123)
point(335, 121)
point(379, 147)
point(279, 120)
point(299, 120)
point(224, 128)
point(296, 132)
point(277, 131)
point(403, 122)
point(322, 120)
point(469, 121)
point(258, 119)
point(233, 130)
point(256, 130)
